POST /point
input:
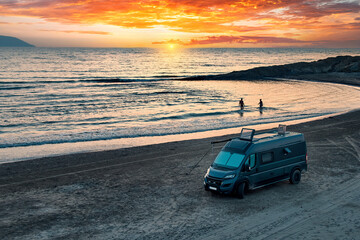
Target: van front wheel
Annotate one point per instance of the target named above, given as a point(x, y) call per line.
point(240, 191)
point(295, 177)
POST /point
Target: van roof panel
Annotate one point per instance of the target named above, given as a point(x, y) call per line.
point(264, 141)
point(265, 137)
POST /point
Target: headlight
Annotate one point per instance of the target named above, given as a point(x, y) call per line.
point(230, 176)
point(207, 173)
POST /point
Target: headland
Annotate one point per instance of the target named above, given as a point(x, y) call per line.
point(6, 41)
point(341, 69)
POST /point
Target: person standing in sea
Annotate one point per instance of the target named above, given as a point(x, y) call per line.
point(261, 104)
point(241, 103)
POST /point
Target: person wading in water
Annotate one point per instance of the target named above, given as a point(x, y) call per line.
point(241, 103)
point(261, 104)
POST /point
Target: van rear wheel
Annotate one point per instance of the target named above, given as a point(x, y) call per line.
point(295, 177)
point(240, 191)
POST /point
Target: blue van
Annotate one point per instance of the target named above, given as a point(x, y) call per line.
point(253, 161)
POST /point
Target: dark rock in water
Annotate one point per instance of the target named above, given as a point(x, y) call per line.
point(347, 64)
point(6, 41)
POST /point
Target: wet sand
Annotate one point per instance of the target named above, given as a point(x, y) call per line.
point(335, 77)
point(156, 192)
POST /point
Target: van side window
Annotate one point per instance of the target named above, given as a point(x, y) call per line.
point(286, 151)
point(267, 157)
point(252, 162)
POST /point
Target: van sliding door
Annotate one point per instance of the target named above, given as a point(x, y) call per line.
point(269, 169)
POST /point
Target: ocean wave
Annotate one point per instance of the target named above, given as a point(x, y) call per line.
point(17, 87)
point(167, 76)
point(156, 78)
point(161, 93)
point(86, 121)
point(84, 80)
point(37, 82)
point(121, 80)
point(213, 65)
point(192, 115)
point(55, 80)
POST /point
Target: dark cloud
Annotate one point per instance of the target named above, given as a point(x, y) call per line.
point(78, 31)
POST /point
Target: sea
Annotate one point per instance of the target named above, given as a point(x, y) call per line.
point(57, 101)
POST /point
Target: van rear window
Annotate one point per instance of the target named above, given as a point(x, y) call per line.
point(228, 159)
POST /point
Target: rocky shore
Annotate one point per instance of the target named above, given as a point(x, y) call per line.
point(341, 69)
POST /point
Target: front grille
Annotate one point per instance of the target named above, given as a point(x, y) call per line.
point(213, 181)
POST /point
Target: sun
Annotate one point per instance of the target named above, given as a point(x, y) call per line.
point(171, 46)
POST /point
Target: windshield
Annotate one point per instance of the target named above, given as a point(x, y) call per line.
point(229, 160)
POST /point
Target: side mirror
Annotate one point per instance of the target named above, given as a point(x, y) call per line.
point(247, 167)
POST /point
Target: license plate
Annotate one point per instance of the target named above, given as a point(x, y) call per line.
point(212, 188)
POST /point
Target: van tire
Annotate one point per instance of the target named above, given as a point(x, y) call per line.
point(295, 176)
point(240, 191)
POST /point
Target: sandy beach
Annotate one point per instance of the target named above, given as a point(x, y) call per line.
point(112, 113)
point(156, 192)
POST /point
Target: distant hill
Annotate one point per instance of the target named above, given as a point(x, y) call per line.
point(6, 41)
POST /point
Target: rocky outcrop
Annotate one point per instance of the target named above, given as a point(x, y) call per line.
point(6, 41)
point(340, 64)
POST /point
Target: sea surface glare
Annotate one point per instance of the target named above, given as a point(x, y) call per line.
point(65, 100)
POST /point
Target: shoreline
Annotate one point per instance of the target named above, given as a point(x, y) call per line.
point(296, 125)
point(64, 149)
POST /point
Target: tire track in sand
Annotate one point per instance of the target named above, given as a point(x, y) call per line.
point(286, 219)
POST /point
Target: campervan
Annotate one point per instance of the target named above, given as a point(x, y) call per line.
point(256, 160)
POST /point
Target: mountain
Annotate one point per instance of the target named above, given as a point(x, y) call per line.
point(6, 41)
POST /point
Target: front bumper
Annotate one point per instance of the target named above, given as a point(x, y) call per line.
point(219, 185)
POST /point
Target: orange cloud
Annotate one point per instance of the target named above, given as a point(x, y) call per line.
point(182, 15)
point(274, 18)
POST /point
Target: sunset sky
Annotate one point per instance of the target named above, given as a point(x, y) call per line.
point(183, 23)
